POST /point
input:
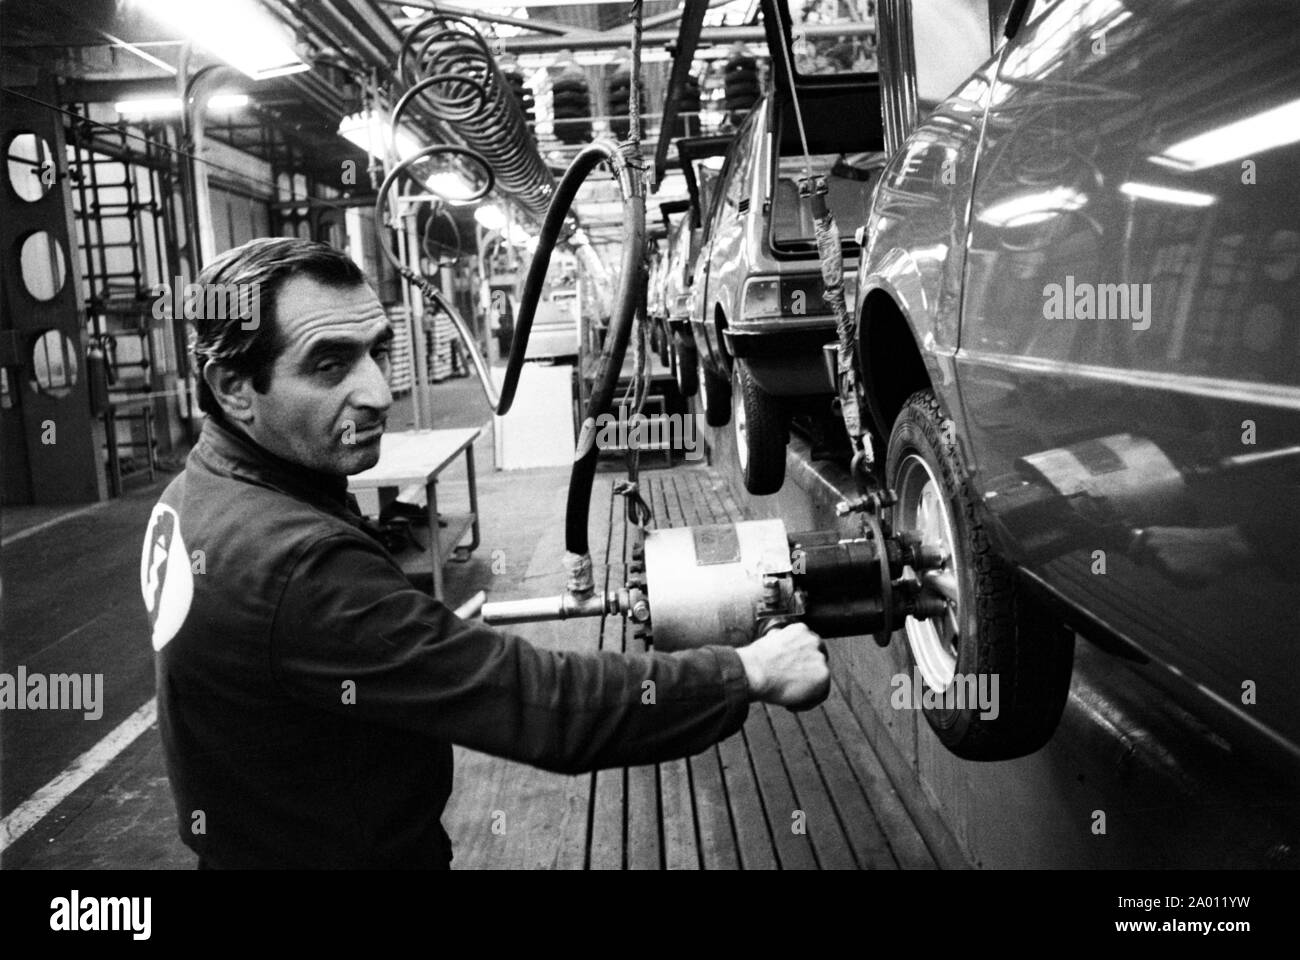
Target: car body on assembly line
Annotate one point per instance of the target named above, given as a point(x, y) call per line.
point(758, 313)
point(673, 297)
point(1079, 348)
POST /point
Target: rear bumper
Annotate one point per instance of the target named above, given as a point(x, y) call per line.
point(779, 338)
point(784, 357)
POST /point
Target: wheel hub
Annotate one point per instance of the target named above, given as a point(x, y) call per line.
point(923, 510)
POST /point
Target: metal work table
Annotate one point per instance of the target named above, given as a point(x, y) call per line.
point(415, 458)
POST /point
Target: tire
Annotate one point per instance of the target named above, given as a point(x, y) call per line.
point(565, 86)
point(741, 87)
point(687, 364)
point(570, 101)
point(663, 344)
point(762, 428)
point(992, 629)
point(715, 396)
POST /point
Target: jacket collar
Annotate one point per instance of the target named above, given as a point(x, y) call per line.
point(228, 452)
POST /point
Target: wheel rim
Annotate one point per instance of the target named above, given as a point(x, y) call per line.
point(738, 418)
point(922, 509)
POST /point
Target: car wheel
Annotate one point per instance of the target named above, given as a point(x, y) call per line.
point(715, 396)
point(762, 428)
point(661, 341)
point(687, 368)
point(997, 665)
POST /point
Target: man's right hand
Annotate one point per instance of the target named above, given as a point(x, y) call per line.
point(787, 667)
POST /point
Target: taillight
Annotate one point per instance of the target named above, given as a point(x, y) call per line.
point(797, 296)
point(762, 299)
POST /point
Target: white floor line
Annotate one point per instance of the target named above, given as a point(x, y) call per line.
point(34, 809)
point(51, 522)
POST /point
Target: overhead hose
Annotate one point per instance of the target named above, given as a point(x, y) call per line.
point(601, 401)
point(813, 191)
point(451, 75)
point(629, 175)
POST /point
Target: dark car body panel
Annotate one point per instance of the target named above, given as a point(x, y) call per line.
point(1105, 295)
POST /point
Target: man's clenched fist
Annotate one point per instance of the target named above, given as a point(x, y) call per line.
point(787, 667)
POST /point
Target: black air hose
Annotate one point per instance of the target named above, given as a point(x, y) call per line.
point(449, 71)
point(631, 185)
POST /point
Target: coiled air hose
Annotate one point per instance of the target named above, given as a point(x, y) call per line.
point(450, 74)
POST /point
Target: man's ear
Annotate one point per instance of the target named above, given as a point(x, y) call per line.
point(233, 391)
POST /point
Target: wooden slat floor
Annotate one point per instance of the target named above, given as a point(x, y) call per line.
point(790, 791)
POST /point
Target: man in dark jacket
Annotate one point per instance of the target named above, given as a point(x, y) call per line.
point(308, 696)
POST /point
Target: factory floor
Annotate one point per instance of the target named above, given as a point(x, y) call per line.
point(789, 791)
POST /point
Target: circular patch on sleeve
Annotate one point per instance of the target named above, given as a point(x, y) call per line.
point(166, 580)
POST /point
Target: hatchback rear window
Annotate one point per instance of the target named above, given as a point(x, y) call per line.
point(832, 37)
point(849, 181)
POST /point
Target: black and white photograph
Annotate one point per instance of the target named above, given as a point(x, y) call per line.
point(720, 435)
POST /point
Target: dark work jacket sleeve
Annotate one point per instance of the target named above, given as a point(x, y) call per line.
point(352, 636)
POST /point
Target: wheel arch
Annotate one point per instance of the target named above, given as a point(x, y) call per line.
point(723, 357)
point(889, 359)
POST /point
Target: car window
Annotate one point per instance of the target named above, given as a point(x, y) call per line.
point(734, 173)
point(850, 48)
point(708, 180)
point(951, 39)
point(738, 182)
point(742, 161)
point(849, 181)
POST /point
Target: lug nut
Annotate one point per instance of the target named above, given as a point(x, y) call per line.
point(771, 591)
point(928, 556)
point(856, 505)
point(927, 604)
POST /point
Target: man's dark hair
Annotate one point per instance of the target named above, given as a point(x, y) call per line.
point(261, 266)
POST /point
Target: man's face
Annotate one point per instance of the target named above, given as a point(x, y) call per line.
point(327, 404)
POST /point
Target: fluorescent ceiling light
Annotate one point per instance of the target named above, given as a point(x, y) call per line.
point(369, 131)
point(228, 101)
point(1033, 207)
point(240, 32)
point(451, 186)
point(493, 218)
point(150, 107)
point(1149, 191)
point(1242, 138)
point(490, 217)
point(159, 106)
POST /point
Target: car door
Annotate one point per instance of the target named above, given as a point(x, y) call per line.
point(1129, 354)
point(724, 264)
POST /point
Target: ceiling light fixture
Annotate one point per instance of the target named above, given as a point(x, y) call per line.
point(368, 130)
point(240, 32)
point(164, 106)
